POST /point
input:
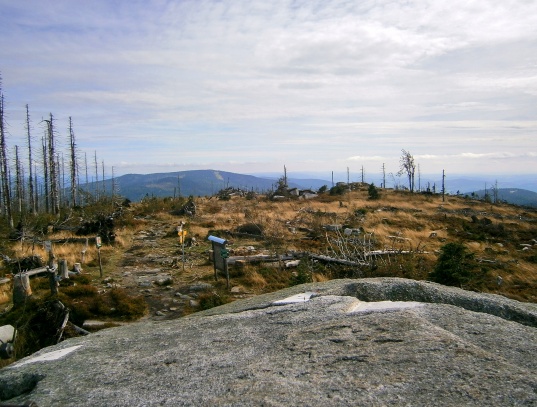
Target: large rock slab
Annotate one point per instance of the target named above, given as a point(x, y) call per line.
point(369, 342)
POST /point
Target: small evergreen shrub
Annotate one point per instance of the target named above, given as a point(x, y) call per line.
point(373, 192)
point(454, 266)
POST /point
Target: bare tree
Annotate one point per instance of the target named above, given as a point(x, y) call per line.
point(19, 194)
point(408, 166)
point(60, 164)
point(53, 168)
point(32, 203)
point(443, 185)
point(72, 147)
point(86, 191)
point(46, 193)
point(104, 186)
point(36, 198)
point(96, 178)
point(6, 193)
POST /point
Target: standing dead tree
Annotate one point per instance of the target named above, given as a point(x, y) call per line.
point(4, 172)
point(31, 192)
point(72, 150)
point(408, 166)
point(19, 193)
point(45, 175)
point(96, 182)
point(52, 167)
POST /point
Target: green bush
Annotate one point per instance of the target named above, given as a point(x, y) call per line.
point(339, 189)
point(127, 307)
point(251, 229)
point(77, 291)
point(454, 266)
point(373, 192)
point(302, 275)
point(211, 300)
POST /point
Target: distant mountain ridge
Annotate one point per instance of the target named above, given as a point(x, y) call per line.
point(208, 182)
point(515, 196)
point(198, 183)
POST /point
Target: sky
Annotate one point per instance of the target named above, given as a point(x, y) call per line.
point(249, 86)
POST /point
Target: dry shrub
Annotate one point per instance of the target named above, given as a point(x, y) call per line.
point(212, 299)
point(126, 306)
point(320, 278)
point(327, 198)
point(212, 207)
point(77, 291)
point(254, 279)
point(251, 229)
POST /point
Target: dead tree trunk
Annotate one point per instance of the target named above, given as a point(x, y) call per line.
point(53, 169)
point(46, 193)
point(32, 203)
point(73, 168)
point(3, 165)
point(21, 288)
point(18, 181)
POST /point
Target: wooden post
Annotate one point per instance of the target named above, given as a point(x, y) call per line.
point(21, 288)
point(84, 252)
point(99, 244)
point(214, 261)
point(77, 268)
point(182, 236)
point(227, 272)
point(53, 283)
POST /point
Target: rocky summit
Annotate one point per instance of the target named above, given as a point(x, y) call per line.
point(367, 342)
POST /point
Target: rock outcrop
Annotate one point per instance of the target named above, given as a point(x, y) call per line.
point(369, 342)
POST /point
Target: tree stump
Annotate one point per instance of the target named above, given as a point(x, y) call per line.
point(21, 288)
point(64, 271)
point(53, 282)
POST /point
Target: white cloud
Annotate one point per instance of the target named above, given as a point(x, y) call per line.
point(321, 79)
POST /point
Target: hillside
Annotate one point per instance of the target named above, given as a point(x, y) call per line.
point(274, 245)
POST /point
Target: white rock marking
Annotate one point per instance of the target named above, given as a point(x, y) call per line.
point(57, 354)
point(302, 297)
point(363, 306)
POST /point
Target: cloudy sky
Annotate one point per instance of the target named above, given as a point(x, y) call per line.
point(253, 85)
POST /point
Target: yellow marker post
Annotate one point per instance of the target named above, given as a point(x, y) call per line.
point(182, 235)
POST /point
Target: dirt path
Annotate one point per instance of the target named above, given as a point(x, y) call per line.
point(153, 267)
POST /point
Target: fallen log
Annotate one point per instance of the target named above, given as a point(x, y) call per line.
point(328, 259)
point(39, 270)
point(258, 258)
point(267, 258)
point(77, 329)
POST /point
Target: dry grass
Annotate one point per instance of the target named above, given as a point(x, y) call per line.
point(253, 279)
point(398, 220)
point(319, 277)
